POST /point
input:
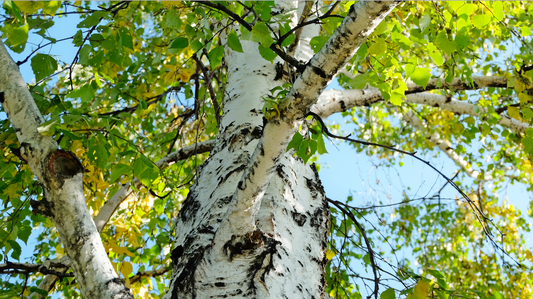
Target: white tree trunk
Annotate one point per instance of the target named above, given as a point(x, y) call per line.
point(255, 223)
point(61, 176)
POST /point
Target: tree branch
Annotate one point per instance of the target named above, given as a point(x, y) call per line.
point(333, 101)
point(27, 268)
point(278, 131)
point(151, 273)
point(443, 145)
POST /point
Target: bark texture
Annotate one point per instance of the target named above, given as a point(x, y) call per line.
point(255, 223)
point(61, 176)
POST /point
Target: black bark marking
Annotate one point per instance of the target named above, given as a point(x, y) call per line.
point(2, 99)
point(279, 71)
point(300, 219)
point(43, 207)
point(319, 72)
point(62, 165)
point(206, 229)
point(257, 132)
point(240, 244)
point(269, 250)
point(176, 254)
point(343, 105)
point(185, 281)
point(237, 169)
point(220, 284)
point(190, 207)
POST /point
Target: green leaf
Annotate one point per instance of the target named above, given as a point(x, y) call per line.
point(18, 35)
point(91, 20)
point(172, 20)
point(17, 250)
point(84, 55)
point(424, 22)
point(101, 154)
point(378, 47)
point(400, 39)
point(409, 69)
point(321, 145)
point(397, 98)
point(318, 42)
point(145, 170)
point(118, 171)
point(497, 10)
point(295, 141)
point(528, 144)
point(307, 149)
point(14, 10)
point(159, 206)
point(360, 81)
point(125, 39)
point(443, 43)
point(78, 39)
point(49, 128)
point(179, 43)
point(481, 21)
point(233, 42)
point(42, 292)
point(51, 7)
point(525, 30)
point(215, 56)
point(527, 113)
point(421, 76)
point(388, 294)
point(24, 232)
point(261, 34)
point(434, 54)
point(43, 65)
point(267, 53)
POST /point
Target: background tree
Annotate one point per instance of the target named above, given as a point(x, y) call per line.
point(106, 154)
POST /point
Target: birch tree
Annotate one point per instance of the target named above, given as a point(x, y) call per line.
point(174, 155)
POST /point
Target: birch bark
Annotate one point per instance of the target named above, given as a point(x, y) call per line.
point(61, 176)
point(255, 223)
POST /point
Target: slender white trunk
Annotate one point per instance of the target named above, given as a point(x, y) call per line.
point(216, 255)
point(61, 176)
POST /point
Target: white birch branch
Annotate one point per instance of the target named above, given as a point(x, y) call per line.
point(111, 205)
point(360, 22)
point(61, 176)
point(333, 101)
point(443, 145)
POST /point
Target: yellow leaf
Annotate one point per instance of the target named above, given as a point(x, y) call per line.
point(330, 254)
point(126, 268)
point(529, 256)
point(514, 113)
point(185, 75)
point(50, 7)
point(421, 290)
point(29, 7)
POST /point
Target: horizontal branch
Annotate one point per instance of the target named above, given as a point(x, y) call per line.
point(461, 107)
point(443, 145)
point(27, 268)
point(333, 101)
point(150, 273)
